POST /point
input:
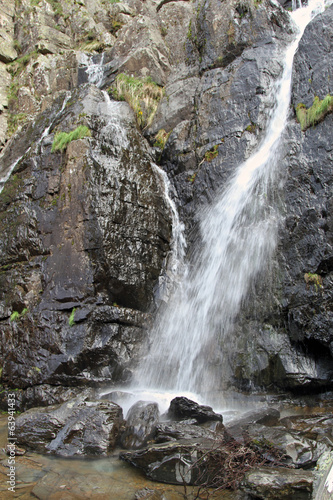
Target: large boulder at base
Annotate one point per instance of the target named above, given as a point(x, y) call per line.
point(278, 483)
point(182, 408)
point(300, 440)
point(74, 428)
point(140, 425)
point(172, 463)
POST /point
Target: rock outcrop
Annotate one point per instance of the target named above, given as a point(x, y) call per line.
point(74, 291)
point(86, 233)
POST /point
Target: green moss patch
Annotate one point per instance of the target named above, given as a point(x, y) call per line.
point(316, 113)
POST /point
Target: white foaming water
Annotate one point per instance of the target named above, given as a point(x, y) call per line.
point(175, 263)
point(95, 71)
point(238, 237)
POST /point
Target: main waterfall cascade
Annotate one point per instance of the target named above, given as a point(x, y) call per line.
point(193, 337)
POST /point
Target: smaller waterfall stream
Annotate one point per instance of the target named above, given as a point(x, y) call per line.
point(6, 175)
point(192, 338)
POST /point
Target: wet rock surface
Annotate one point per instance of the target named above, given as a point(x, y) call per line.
point(140, 425)
point(183, 408)
point(75, 428)
point(86, 233)
point(73, 249)
point(279, 484)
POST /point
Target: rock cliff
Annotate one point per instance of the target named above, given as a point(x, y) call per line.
point(86, 231)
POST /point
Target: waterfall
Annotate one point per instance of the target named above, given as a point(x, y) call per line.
point(175, 261)
point(238, 235)
point(94, 70)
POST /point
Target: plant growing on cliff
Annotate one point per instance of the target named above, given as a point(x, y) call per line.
point(316, 113)
point(15, 316)
point(212, 153)
point(62, 139)
point(314, 279)
point(71, 321)
point(161, 138)
point(142, 94)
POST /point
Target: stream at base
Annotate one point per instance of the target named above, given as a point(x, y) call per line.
point(52, 478)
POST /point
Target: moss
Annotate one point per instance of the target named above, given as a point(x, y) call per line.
point(192, 177)
point(142, 94)
point(316, 113)
point(15, 316)
point(212, 153)
point(62, 139)
point(251, 128)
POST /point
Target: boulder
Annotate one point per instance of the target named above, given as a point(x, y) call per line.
point(140, 426)
point(278, 483)
point(182, 408)
point(172, 463)
point(186, 429)
point(74, 428)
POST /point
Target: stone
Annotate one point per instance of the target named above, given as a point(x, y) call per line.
point(171, 463)
point(140, 426)
point(278, 483)
point(101, 258)
point(187, 429)
point(74, 428)
point(182, 408)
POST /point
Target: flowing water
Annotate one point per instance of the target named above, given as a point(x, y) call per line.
point(191, 339)
point(6, 175)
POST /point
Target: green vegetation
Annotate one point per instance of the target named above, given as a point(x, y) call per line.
point(14, 121)
point(161, 138)
point(142, 94)
point(62, 139)
point(71, 321)
point(251, 128)
point(57, 7)
point(192, 177)
point(314, 279)
point(212, 153)
point(17, 66)
point(92, 46)
point(15, 316)
point(316, 113)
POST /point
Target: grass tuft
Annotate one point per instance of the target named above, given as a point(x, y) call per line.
point(316, 113)
point(142, 94)
point(62, 139)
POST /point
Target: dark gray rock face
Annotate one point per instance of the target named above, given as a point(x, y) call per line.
point(140, 425)
point(302, 322)
point(84, 233)
point(182, 408)
point(74, 428)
